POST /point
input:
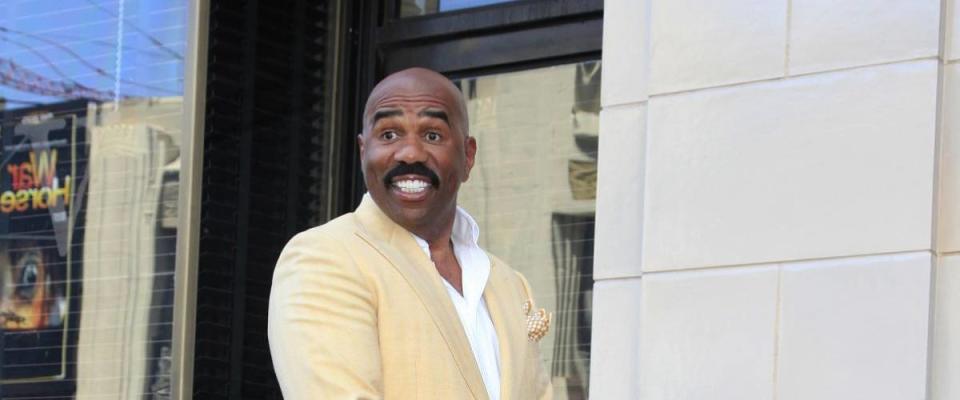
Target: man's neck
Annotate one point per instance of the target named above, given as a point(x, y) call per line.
point(439, 232)
point(445, 261)
point(438, 237)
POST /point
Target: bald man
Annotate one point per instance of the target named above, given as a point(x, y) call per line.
point(397, 300)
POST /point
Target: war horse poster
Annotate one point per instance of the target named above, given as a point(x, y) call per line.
point(42, 181)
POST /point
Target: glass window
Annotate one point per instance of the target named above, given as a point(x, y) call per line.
point(90, 136)
point(410, 8)
point(533, 192)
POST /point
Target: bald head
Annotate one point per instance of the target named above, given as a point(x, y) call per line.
point(418, 84)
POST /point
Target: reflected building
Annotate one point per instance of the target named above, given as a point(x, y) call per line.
point(92, 128)
point(128, 250)
point(532, 192)
point(87, 262)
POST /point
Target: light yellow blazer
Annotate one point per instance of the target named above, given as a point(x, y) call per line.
point(358, 311)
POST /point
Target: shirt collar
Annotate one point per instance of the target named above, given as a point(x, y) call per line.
point(465, 232)
point(465, 229)
point(474, 262)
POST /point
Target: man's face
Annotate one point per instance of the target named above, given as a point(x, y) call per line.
point(414, 150)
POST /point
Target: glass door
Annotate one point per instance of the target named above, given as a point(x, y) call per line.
point(530, 73)
point(533, 191)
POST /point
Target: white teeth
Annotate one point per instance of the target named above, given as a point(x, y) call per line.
point(411, 186)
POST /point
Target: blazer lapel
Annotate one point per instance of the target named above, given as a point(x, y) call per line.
point(508, 321)
point(397, 245)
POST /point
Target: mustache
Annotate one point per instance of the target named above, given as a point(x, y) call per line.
point(417, 168)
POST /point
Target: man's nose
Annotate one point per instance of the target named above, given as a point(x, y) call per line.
point(411, 151)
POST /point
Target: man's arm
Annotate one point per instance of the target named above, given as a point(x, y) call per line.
point(322, 323)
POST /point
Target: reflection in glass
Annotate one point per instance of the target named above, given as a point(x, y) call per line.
point(410, 8)
point(91, 100)
point(533, 192)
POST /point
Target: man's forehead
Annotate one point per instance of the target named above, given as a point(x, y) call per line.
point(423, 95)
point(416, 77)
point(411, 103)
point(390, 106)
point(387, 111)
point(415, 90)
point(398, 106)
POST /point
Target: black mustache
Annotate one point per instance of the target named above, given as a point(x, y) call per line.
point(416, 168)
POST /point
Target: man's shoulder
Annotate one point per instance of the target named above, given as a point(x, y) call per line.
point(336, 229)
point(323, 248)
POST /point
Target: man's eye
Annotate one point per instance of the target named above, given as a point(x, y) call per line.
point(388, 135)
point(432, 136)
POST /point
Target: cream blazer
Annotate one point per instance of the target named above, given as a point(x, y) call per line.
point(358, 311)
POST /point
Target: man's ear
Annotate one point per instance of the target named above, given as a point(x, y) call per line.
point(470, 147)
point(360, 143)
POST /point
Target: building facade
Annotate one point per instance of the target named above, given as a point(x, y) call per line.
point(785, 174)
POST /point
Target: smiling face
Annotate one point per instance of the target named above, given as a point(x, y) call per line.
point(415, 150)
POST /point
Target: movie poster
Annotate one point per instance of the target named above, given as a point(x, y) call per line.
point(42, 177)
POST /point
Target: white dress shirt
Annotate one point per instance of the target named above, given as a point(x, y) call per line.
point(471, 308)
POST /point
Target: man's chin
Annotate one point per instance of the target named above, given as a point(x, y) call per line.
point(411, 219)
point(405, 208)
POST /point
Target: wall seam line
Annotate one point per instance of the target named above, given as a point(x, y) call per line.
point(935, 201)
point(787, 262)
point(801, 75)
point(776, 334)
point(937, 135)
point(644, 192)
point(786, 55)
point(618, 279)
point(931, 328)
point(624, 105)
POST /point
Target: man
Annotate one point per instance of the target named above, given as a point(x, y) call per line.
point(396, 300)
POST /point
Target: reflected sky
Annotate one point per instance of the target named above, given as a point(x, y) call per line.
point(450, 5)
point(56, 50)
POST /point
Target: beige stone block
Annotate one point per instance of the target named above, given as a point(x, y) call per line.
point(619, 220)
point(952, 30)
point(696, 43)
point(614, 352)
point(946, 331)
point(809, 167)
point(708, 334)
point(855, 328)
point(948, 218)
point(626, 30)
point(827, 34)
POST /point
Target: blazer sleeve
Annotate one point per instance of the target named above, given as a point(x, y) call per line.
point(544, 386)
point(322, 324)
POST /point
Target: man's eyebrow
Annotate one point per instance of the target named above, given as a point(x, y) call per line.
point(438, 114)
point(385, 113)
